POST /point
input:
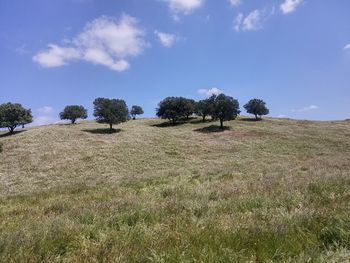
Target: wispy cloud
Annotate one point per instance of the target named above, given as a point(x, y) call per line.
point(308, 108)
point(253, 21)
point(104, 41)
point(209, 92)
point(289, 6)
point(22, 50)
point(166, 39)
point(347, 47)
point(235, 2)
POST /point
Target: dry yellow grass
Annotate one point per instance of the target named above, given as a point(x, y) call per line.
point(276, 190)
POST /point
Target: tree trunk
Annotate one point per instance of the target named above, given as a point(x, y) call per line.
point(110, 126)
point(256, 116)
point(221, 123)
point(73, 121)
point(134, 118)
point(11, 129)
point(203, 118)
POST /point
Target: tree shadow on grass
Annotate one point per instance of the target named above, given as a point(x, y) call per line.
point(191, 120)
point(212, 129)
point(250, 119)
point(7, 134)
point(168, 124)
point(102, 131)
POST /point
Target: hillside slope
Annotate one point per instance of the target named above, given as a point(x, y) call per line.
point(272, 190)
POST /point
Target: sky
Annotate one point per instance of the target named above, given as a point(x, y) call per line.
point(293, 54)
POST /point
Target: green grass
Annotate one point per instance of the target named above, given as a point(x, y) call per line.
point(270, 191)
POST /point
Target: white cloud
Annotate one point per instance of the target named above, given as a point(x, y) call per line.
point(184, 7)
point(209, 92)
point(44, 116)
point(104, 41)
point(56, 56)
point(235, 2)
point(347, 47)
point(166, 39)
point(308, 108)
point(253, 21)
point(289, 6)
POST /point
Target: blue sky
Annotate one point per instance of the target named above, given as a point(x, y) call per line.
point(294, 54)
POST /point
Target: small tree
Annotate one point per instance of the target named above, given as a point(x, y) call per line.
point(110, 111)
point(13, 115)
point(205, 107)
point(73, 112)
point(225, 108)
point(257, 107)
point(136, 110)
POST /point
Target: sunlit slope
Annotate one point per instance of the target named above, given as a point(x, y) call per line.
point(275, 190)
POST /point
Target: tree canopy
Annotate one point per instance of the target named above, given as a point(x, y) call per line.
point(205, 107)
point(225, 108)
point(13, 115)
point(110, 111)
point(136, 110)
point(189, 107)
point(173, 108)
point(257, 107)
point(73, 112)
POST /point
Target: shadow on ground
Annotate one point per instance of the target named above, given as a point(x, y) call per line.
point(9, 134)
point(168, 124)
point(102, 131)
point(192, 120)
point(250, 119)
point(212, 129)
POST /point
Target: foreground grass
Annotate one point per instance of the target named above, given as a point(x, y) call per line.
point(271, 191)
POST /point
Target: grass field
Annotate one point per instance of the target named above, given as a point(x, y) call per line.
point(271, 191)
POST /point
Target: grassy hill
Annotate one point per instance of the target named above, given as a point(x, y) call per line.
point(276, 190)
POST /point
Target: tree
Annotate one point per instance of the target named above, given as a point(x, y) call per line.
point(225, 108)
point(13, 115)
point(189, 107)
point(205, 107)
point(110, 111)
point(73, 112)
point(256, 107)
point(172, 108)
point(136, 110)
